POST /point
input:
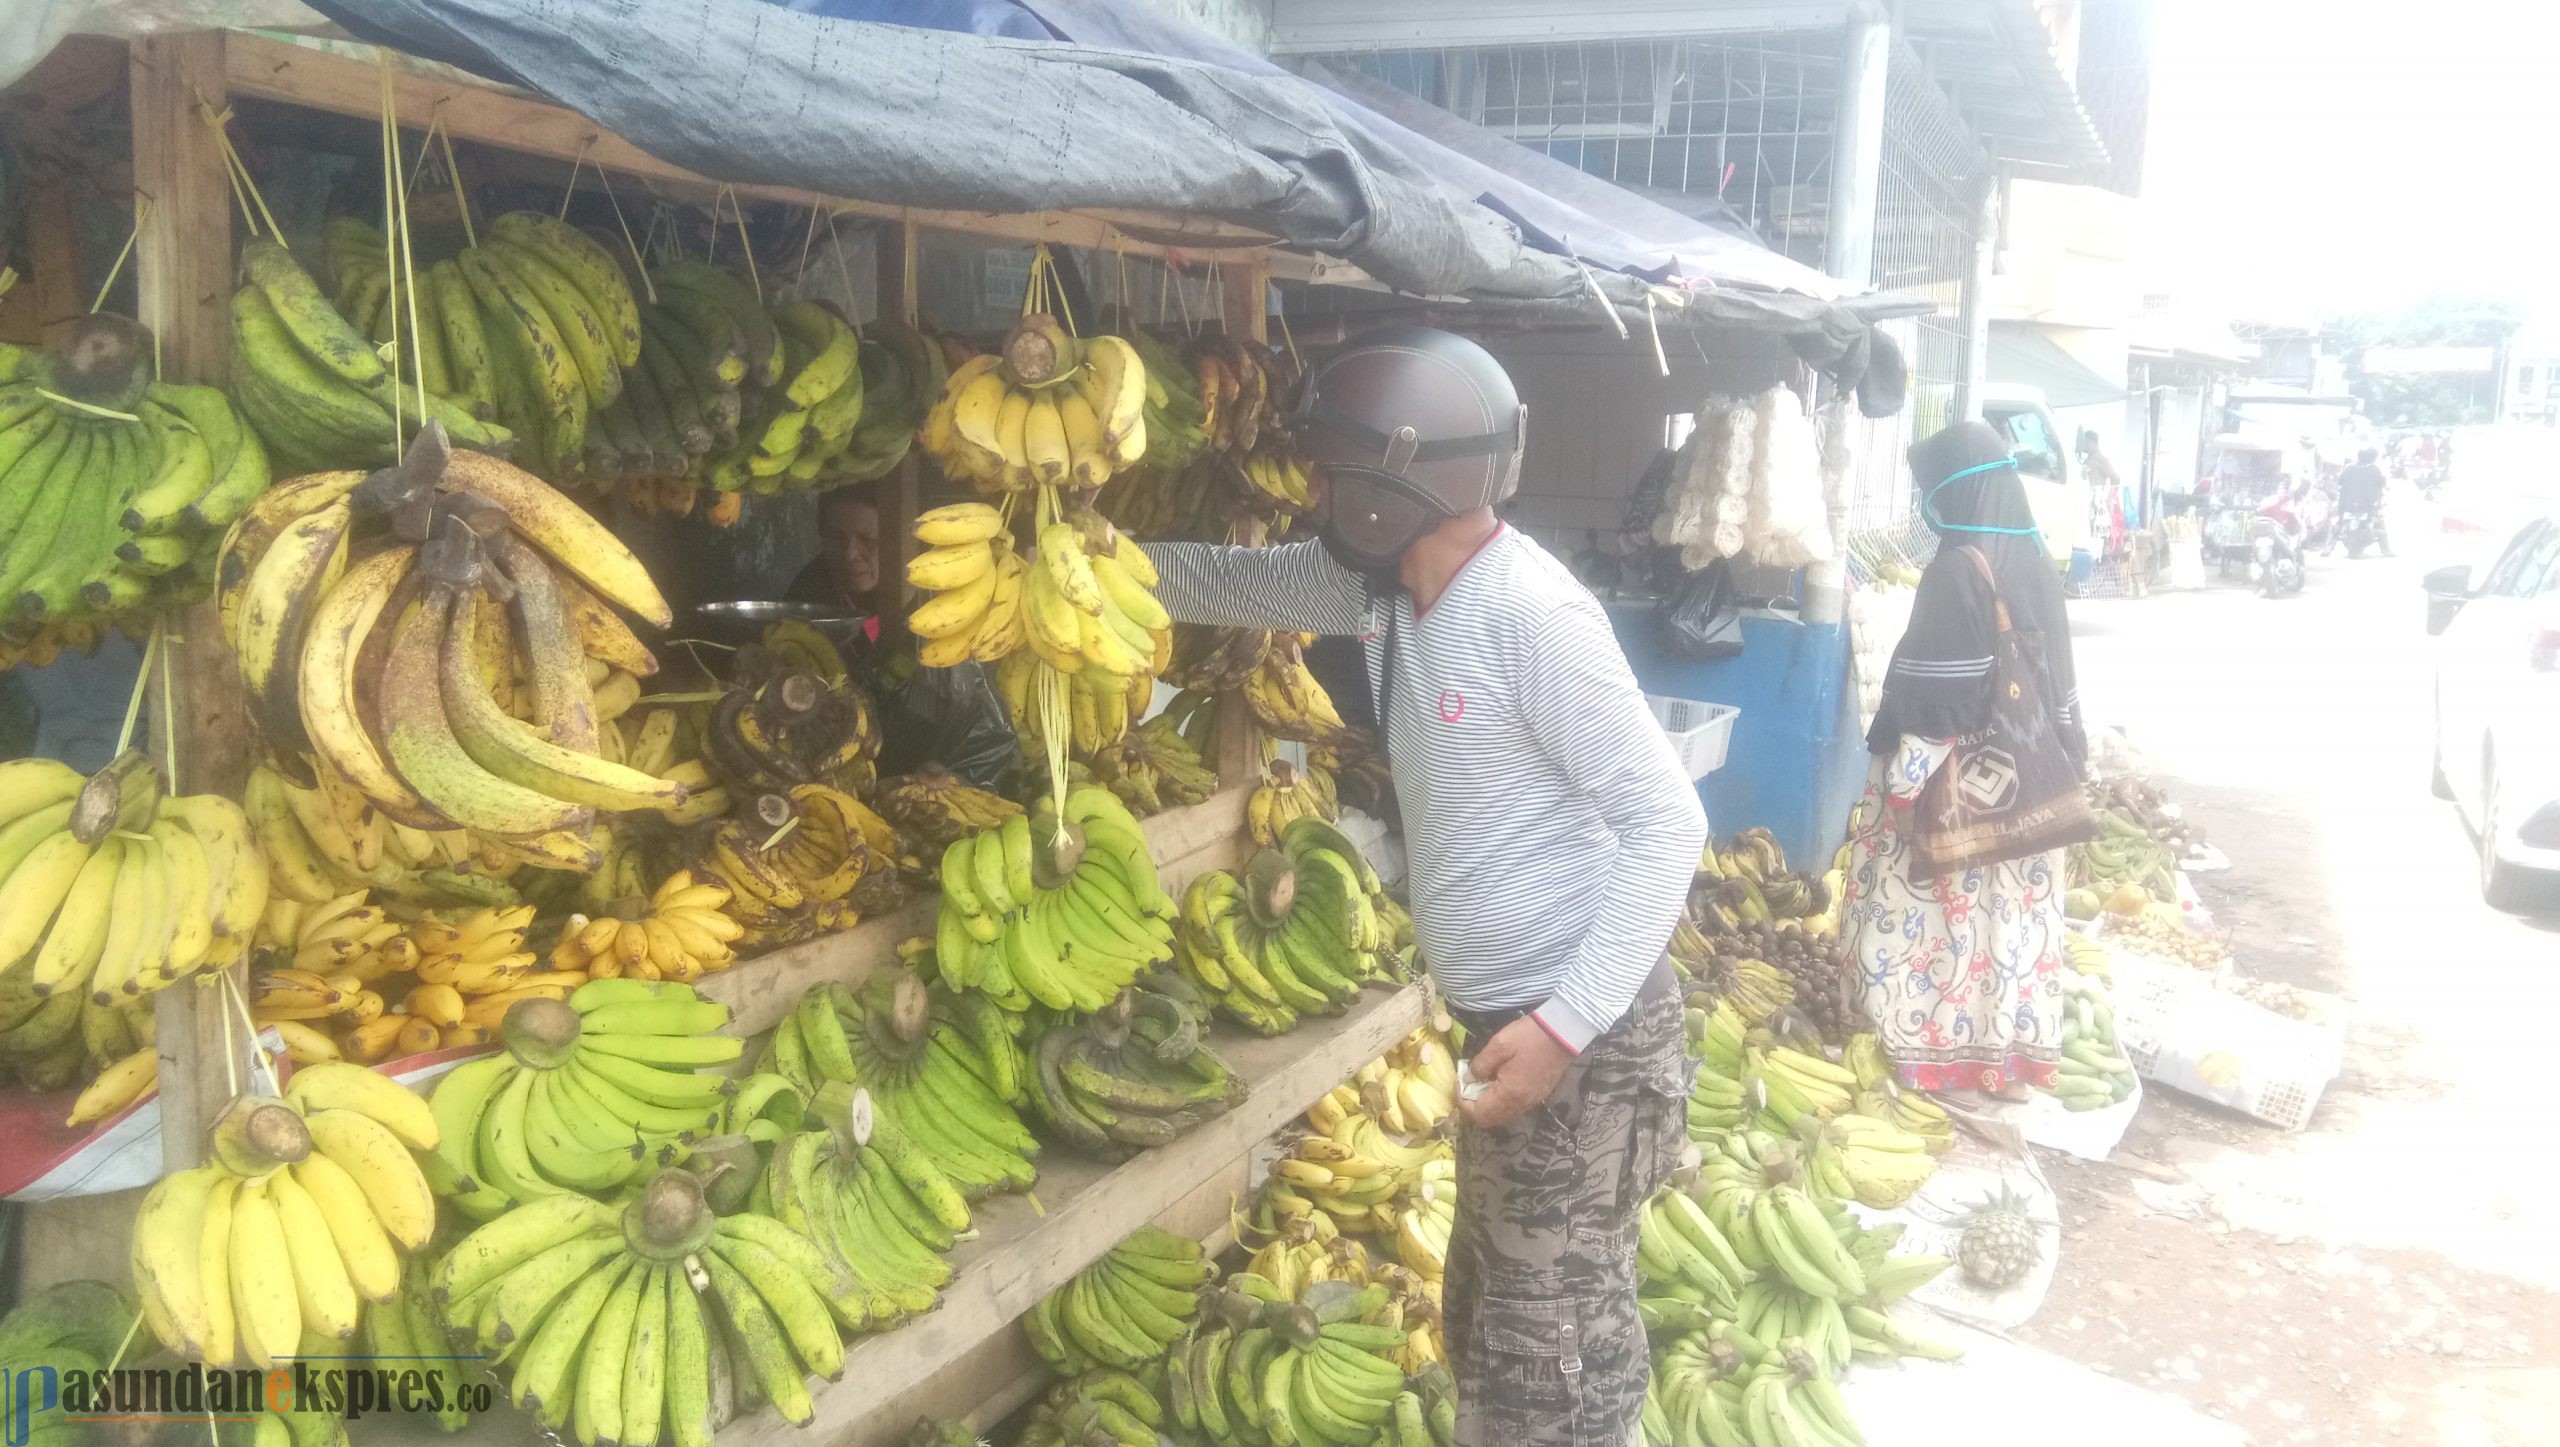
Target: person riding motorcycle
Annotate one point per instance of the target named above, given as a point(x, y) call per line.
point(2360, 489)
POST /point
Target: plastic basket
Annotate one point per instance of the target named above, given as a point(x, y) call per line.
point(1699, 732)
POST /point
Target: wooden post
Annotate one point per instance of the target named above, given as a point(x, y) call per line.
point(182, 265)
point(53, 245)
point(894, 295)
point(1243, 286)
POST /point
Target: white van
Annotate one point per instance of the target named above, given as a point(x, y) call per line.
point(2056, 490)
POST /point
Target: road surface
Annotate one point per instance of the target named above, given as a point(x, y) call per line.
point(2392, 1273)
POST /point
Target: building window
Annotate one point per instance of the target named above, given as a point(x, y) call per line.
point(2524, 378)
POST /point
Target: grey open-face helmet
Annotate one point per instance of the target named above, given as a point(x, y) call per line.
point(1410, 425)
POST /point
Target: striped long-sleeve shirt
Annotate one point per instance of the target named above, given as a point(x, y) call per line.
point(1550, 833)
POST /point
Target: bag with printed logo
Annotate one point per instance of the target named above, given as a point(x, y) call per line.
point(2009, 790)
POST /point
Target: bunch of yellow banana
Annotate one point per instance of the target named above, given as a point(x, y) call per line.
point(1097, 710)
point(1798, 1085)
point(977, 581)
point(110, 889)
point(808, 862)
point(1279, 478)
point(681, 933)
point(677, 497)
point(1046, 410)
point(1286, 699)
point(1760, 989)
point(121, 1042)
point(779, 724)
point(318, 391)
point(1422, 1229)
point(471, 703)
point(1252, 385)
point(1350, 1169)
point(114, 510)
point(1306, 1248)
point(938, 809)
point(298, 1221)
point(1086, 607)
point(326, 842)
point(648, 1321)
point(1870, 1161)
point(1414, 1086)
point(1287, 794)
point(659, 741)
point(1153, 768)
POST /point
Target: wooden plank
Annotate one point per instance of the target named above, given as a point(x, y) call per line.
point(758, 992)
point(1243, 289)
point(1021, 1255)
point(53, 256)
point(894, 294)
point(268, 68)
point(182, 262)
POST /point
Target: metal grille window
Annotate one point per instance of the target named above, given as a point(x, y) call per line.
point(1736, 130)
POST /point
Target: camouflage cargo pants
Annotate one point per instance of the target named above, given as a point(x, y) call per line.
point(1541, 1290)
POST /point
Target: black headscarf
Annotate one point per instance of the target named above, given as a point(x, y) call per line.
point(1939, 684)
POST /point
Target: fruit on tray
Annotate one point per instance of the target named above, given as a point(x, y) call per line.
point(1298, 932)
point(1059, 908)
point(111, 889)
point(114, 488)
point(651, 1321)
point(586, 1096)
point(318, 391)
point(300, 1218)
point(426, 634)
point(2160, 930)
point(1134, 1076)
point(943, 1069)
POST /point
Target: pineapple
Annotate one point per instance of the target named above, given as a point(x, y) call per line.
point(2000, 1243)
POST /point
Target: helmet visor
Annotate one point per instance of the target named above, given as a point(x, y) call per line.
point(1375, 513)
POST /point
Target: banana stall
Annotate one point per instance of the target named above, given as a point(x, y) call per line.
point(491, 920)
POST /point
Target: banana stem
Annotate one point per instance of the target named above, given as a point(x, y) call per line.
point(453, 173)
point(141, 683)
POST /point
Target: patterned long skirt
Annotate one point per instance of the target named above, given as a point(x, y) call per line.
point(1963, 972)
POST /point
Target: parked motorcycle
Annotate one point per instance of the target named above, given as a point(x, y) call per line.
point(2357, 531)
point(2275, 555)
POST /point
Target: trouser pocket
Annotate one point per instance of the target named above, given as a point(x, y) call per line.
point(1563, 1373)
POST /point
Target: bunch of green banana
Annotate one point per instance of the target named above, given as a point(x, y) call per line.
point(2094, 1070)
point(1267, 1371)
point(943, 1073)
point(405, 1328)
point(110, 889)
point(1132, 1077)
point(1297, 933)
point(431, 634)
point(1706, 1392)
point(1881, 1098)
point(107, 512)
point(1045, 410)
point(1126, 1309)
point(1177, 415)
point(1064, 909)
point(320, 392)
point(1684, 1264)
point(654, 1321)
point(72, 1326)
point(1869, 1160)
point(873, 1198)
point(585, 1096)
point(1154, 768)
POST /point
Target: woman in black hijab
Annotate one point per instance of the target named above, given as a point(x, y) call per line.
point(1963, 971)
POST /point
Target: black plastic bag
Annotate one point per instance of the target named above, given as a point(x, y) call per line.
point(1702, 619)
point(947, 716)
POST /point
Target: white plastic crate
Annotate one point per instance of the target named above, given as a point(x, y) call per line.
point(1699, 732)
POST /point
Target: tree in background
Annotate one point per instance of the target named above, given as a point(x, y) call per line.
point(2427, 399)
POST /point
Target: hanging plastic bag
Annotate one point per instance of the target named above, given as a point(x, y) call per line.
point(947, 716)
point(1702, 619)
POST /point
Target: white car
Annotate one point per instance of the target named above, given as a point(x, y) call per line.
point(2498, 708)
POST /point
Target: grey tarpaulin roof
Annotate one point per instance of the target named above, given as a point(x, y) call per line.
point(755, 93)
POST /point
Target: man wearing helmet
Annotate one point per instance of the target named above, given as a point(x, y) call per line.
point(1551, 837)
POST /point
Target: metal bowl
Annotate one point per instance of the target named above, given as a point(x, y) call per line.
point(744, 620)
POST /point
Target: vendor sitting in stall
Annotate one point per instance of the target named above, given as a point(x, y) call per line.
point(846, 572)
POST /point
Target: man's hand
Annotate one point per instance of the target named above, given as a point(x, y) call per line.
point(1518, 1067)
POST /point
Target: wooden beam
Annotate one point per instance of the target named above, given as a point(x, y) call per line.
point(330, 79)
point(182, 262)
point(894, 294)
point(1244, 288)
